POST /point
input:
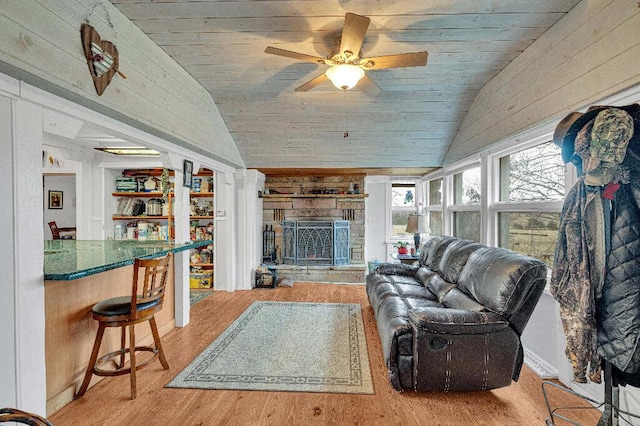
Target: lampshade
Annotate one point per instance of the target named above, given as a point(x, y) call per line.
point(417, 224)
point(345, 76)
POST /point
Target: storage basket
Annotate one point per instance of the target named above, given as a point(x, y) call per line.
point(266, 279)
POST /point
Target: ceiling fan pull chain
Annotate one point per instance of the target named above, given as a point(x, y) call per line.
point(346, 115)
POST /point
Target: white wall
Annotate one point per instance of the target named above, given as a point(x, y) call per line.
point(8, 367)
point(249, 226)
point(65, 217)
point(376, 217)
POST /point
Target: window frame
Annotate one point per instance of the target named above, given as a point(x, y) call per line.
point(418, 198)
point(429, 208)
point(450, 207)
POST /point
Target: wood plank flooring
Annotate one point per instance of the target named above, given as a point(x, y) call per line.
point(108, 403)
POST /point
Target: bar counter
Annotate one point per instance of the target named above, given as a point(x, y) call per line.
point(78, 274)
point(72, 259)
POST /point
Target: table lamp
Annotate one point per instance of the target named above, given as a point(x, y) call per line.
point(417, 224)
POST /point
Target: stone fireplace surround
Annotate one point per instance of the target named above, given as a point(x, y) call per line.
point(319, 198)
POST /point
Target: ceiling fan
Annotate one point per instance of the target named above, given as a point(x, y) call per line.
point(347, 66)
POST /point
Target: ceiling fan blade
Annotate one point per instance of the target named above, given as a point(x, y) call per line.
point(415, 59)
point(355, 27)
point(368, 86)
point(294, 55)
point(312, 83)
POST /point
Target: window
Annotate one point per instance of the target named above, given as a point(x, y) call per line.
point(466, 204)
point(532, 174)
point(530, 233)
point(434, 206)
point(466, 186)
point(403, 202)
point(530, 194)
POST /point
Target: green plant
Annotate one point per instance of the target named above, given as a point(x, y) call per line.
point(401, 244)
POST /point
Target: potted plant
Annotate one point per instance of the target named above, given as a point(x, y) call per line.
point(402, 246)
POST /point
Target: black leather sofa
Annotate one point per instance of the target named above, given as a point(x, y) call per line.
point(453, 322)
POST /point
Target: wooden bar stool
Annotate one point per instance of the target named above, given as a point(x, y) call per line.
point(145, 300)
point(18, 416)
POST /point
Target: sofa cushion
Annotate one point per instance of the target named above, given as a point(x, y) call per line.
point(457, 299)
point(455, 257)
point(436, 251)
point(439, 286)
point(491, 276)
point(422, 302)
point(424, 274)
point(414, 290)
point(426, 247)
point(396, 269)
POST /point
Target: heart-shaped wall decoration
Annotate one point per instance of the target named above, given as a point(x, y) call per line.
point(102, 57)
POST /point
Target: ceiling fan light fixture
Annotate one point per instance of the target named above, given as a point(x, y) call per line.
point(345, 76)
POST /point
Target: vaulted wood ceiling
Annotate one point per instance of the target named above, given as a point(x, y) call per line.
point(407, 127)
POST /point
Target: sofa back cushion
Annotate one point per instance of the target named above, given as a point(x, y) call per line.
point(425, 249)
point(436, 251)
point(455, 257)
point(503, 281)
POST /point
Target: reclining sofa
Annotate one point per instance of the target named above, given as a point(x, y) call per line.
point(453, 322)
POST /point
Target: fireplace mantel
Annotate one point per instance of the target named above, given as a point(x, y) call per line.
point(280, 196)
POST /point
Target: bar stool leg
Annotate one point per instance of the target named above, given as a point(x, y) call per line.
point(132, 360)
point(92, 361)
point(123, 342)
point(156, 339)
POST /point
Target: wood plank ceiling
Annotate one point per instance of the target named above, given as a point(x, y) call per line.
point(406, 129)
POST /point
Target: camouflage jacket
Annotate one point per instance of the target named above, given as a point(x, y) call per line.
point(578, 275)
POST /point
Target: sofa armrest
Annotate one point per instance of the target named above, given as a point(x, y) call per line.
point(456, 321)
point(397, 269)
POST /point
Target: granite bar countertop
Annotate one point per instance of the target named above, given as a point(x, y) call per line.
point(66, 260)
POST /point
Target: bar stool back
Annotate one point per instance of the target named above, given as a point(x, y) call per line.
point(145, 300)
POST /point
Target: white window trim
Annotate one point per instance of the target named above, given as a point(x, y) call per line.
point(418, 194)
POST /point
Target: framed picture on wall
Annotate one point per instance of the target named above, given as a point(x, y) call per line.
point(188, 173)
point(55, 199)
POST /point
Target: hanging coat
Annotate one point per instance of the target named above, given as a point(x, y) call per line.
point(619, 307)
point(577, 276)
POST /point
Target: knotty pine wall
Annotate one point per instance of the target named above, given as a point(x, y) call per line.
point(41, 45)
point(590, 53)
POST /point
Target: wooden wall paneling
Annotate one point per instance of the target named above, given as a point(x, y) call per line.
point(157, 93)
point(587, 58)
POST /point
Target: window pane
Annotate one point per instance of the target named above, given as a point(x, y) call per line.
point(435, 192)
point(403, 194)
point(399, 220)
point(530, 233)
point(533, 174)
point(435, 222)
point(467, 225)
point(466, 186)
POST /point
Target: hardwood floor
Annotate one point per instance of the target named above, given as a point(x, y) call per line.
point(108, 403)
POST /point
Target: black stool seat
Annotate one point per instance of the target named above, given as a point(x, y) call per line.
point(120, 306)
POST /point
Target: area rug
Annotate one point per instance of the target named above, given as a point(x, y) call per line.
point(197, 295)
point(286, 346)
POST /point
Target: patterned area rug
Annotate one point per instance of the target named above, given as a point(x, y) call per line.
point(286, 346)
point(197, 295)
